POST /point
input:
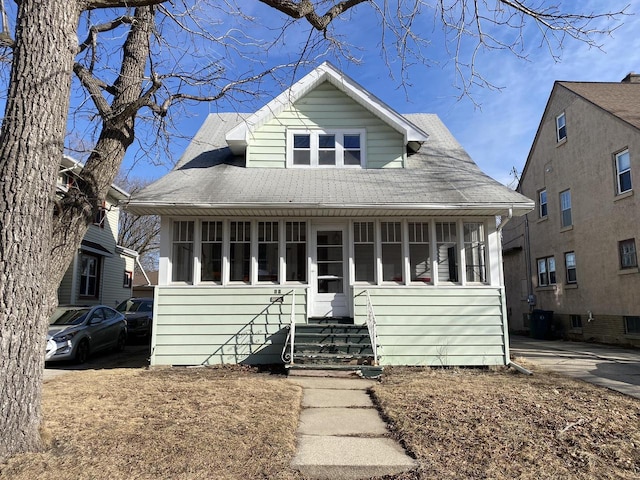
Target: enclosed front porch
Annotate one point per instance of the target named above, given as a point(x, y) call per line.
point(233, 290)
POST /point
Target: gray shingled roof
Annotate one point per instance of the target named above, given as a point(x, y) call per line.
point(621, 99)
point(441, 177)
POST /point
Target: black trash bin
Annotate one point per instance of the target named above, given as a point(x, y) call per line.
point(540, 324)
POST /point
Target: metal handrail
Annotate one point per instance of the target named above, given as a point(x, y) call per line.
point(372, 327)
point(292, 330)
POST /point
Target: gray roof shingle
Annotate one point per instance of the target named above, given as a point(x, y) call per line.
point(440, 175)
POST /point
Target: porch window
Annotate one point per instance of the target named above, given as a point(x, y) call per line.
point(447, 246)
point(364, 257)
point(419, 252)
point(239, 251)
point(89, 275)
point(296, 251)
point(211, 252)
point(268, 256)
point(182, 252)
point(475, 252)
point(392, 259)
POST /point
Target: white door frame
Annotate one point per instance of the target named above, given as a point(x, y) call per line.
point(329, 304)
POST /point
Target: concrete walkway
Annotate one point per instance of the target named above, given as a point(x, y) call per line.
point(607, 366)
point(341, 435)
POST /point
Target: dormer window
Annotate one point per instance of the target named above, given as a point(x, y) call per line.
point(317, 148)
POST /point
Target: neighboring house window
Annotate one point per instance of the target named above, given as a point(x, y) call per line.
point(447, 246)
point(89, 275)
point(565, 208)
point(627, 249)
point(546, 271)
point(211, 252)
point(296, 251)
point(475, 252)
point(632, 325)
point(561, 127)
point(100, 215)
point(128, 279)
point(623, 172)
point(182, 252)
point(364, 257)
point(542, 201)
point(268, 255)
point(392, 260)
point(419, 252)
point(240, 251)
point(570, 265)
point(576, 321)
point(325, 149)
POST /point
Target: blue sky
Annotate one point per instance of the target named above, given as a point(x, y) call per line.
point(499, 133)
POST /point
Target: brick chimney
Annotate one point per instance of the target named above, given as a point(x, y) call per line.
point(631, 78)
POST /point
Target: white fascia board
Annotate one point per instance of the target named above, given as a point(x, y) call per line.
point(238, 137)
point(71, 164)
point(517, 209)
point(126, 251)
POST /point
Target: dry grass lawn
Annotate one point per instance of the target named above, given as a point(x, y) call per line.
point(235, 423)
point(473, 424)
point(200, 423)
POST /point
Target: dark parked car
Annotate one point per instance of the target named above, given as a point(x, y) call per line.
point(75, 332)
point(139, 315)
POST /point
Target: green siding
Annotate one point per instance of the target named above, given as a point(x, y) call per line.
point(436, 326)
point(327, 108)
point(215, 325)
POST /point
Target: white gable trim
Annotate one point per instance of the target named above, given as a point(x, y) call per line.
point(238, 137)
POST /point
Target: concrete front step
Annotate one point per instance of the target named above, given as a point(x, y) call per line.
point(337, 348)
point(349, 458)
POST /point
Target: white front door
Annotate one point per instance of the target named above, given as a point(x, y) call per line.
point(330, 267)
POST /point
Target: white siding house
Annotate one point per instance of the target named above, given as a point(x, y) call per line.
point(327, 204)
point(101, 272)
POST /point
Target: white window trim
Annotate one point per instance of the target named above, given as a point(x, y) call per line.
point(562, 210)
point(558, 127)
point(339, 134)
point(617, 156)
point(546, 203)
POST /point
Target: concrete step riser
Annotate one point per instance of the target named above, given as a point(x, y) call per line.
point(330, 330)
point(333, 348)
point(337, 339)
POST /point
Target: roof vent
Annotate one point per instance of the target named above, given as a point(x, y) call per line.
point(631, 78)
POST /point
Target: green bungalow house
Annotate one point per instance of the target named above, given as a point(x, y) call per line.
point(328, 206)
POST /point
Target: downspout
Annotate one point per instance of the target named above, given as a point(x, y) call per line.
point(505, 336)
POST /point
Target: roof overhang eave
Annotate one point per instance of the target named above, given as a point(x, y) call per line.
point(169, 208)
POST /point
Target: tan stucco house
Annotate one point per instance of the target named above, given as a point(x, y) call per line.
point(575, 255)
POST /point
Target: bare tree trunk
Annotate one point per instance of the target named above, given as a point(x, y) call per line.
point(76, 211)
point(31, 142)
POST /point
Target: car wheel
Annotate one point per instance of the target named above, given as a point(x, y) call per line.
point(82, 352)
point(122, 340)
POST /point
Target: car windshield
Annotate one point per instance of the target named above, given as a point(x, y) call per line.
point(73, 316)
point(129, 306)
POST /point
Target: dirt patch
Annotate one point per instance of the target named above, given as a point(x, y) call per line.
point(226, 423)
point(469, 423)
